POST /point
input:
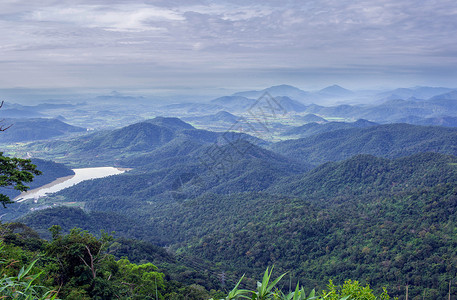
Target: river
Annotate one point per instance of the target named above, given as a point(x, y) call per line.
point(64, 182)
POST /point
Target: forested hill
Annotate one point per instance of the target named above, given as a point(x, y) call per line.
point(222, 116)
point(170, 141)
point(314, 128)
point(122, 147)
point(391, 141)
point(228, 171)
point(367, 174)
point(23, 130)
point(386, 222)
point(171, 123)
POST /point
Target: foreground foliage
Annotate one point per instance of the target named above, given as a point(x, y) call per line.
point(73, 266)
point(267, 290)
point(79, 266)
point(23, 285)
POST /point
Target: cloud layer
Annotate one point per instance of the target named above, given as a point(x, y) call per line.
point(226, 43)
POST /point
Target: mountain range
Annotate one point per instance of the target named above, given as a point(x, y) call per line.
point(348, 197)
point(420, 106)
point(123, 146)
point(417, 92)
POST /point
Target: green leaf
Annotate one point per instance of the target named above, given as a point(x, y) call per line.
point(235, 292)
point(23, 273)
point(19, 275)
point(275, 282)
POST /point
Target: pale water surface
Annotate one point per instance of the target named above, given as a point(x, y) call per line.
point(64, 182)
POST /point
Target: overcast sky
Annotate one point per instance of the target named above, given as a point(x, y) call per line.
point(227, 44)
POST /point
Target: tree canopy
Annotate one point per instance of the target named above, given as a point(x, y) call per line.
point(14, 172)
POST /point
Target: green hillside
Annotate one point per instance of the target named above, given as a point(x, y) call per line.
point(316, 128)
point(392, 140)
point(144, 191)
point(222, 116)
point(24, 130)
point(385, 222)
point(130, 145)
point(364, 174)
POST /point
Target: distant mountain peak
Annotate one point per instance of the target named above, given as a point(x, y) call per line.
point(224, 113)
point(289, 104)
point(336, 90)
point(419, 92)
point(244, 149)
point(228, 99)
point(452, 95)
point(335, 86)
point(278, 90)
point(115, 94)
point(362, 123)
point(283, 86)
point(170, 122)
point(309, 118)
point(285, 90)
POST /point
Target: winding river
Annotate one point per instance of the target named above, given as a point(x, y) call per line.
point(64, 182)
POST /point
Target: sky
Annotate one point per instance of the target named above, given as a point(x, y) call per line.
point(193, 44)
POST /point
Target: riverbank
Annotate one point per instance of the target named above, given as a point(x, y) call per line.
point(67, 181)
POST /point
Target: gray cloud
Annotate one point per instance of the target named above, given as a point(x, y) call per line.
point(148, 43)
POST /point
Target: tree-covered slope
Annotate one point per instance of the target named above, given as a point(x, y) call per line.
point(24, 130)
point(222, 116)
point(130, 145)
point(388, 222)
point(70, 217)
point(310, 118)
point(316, 128)
point(221, 170)
point(393, 140)
point(364, 174)
point(393, 241)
